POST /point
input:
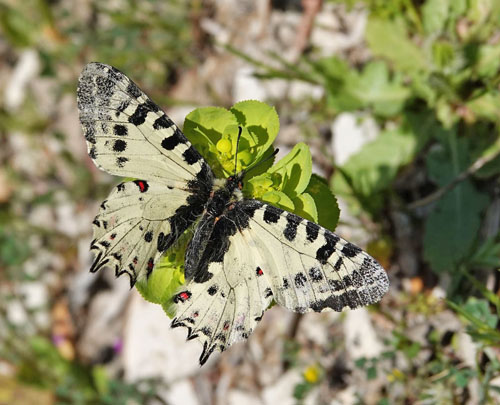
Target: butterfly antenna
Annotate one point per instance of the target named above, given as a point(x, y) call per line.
point(237, 144)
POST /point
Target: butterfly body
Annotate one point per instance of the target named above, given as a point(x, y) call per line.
point(243, 253)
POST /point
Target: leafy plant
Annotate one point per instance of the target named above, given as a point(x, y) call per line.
point(288, 184)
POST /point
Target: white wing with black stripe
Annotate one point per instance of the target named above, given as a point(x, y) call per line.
point(261, 252)
point(128, 135)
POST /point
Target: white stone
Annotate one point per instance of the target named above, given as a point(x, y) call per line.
point(246, 86)
point(238, 397)
point(360, 337)
point(26, 69)
point(350, 132)
point(281, 391)
point(153, 349)
point(182, 392)
point(346, 397)
point(331, 36)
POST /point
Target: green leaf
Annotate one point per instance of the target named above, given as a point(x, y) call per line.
point(305, 206)
point(372, 88)
point(488, 62)
point(390, 40)
point(486, 106)
point(487, 255)
point(294, 169)
point(278, 198)
point(261, 120)
point(285, 180)
point(386, 97)
point(443, 54)
point(161, 285)
point(204, 127)
point(374, 167)
point(435, 15)
point(214, 132)
point(326, 203)
point(167, 277)
point(480, 309)
point(462, 377)
point(451, 229)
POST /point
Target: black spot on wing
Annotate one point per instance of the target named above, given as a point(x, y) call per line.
point(120, 130)
point(139, 115)
point(119, 145)
point(312, 231)
point(92, 152)
point(325, 251)
point(148, 237)
point(271, 214)
point(292, 222)
point(133, 90)
point(191, 155)
point(162, 122)
point(300, 280)
point(163, 242)
point(120, 161)
point(169, 143)
point(350, 250)
point(315, 274)
point(357, 280)
point(213, 289)
point(336, 285)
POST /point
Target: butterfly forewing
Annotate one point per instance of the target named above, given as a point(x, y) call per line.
point(128, 135)
point(270, 253)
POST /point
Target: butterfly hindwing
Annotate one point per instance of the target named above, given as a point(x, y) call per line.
point(226, 298)
point(135, 225)
point(130, 136)
point(259, 253)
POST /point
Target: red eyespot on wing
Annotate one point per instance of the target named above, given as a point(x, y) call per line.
point(259, 271)
point(143, 185)
point(182, 296)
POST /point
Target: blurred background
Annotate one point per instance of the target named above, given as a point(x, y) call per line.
point(399, 102)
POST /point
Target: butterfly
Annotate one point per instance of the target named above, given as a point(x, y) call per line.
point(243, 253)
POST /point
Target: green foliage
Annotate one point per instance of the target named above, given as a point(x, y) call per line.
point(482, 323)
point(372, 88)
point(365, 178)
point(451, 229)
point(41, 365)
point(214, 132)
point(433, 86)
point(288, 184)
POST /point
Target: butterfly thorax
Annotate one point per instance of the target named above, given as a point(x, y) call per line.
point(224, 193)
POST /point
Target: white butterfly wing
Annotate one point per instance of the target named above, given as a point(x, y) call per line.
point(128, 135)
point(265, 253)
